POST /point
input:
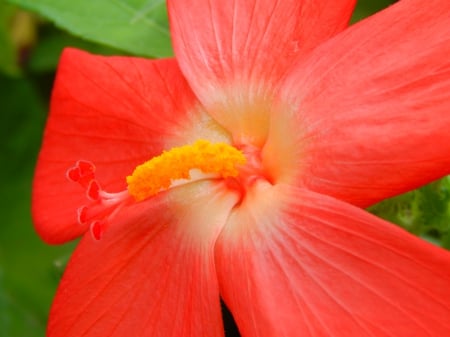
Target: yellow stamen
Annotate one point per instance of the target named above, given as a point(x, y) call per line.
point(158, 173)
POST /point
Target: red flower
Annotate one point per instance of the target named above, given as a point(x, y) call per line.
point(328, 119)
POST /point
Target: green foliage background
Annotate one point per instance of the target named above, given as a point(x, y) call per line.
point(32, 35)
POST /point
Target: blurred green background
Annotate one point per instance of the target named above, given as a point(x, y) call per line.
point(30, 44)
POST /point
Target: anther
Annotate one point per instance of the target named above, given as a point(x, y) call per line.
point(160, 172)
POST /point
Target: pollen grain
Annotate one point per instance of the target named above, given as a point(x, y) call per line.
point(158, 173)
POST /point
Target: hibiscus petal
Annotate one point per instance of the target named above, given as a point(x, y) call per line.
point(233, 53)
point(372, 105)
point(292, 262)
point(151, 274)
point(116, 112)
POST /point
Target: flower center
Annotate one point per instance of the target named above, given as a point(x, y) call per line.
point(218, 160)
point(159, 172)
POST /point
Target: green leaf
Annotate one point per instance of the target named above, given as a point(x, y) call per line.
point(29, 269)
point(8, 60)
point(138, 27)
point(424, 212)
point(45, 56)
point(365, 8)
point(17, 320)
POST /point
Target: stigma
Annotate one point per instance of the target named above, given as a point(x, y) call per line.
point(101, 206)
point(159, 173)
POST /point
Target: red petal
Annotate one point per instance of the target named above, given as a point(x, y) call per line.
point(373, 105)
point(292, 262)
point(151, 273)
point(116, 112)
point(233, 53)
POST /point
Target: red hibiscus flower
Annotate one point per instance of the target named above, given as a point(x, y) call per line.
point(239, 169)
